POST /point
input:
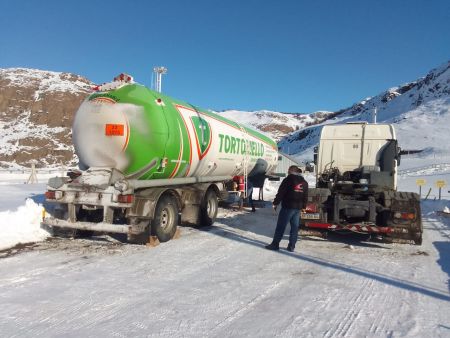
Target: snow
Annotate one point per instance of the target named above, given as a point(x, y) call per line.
point(21, 207)
point(22, 225)
point(221, 282)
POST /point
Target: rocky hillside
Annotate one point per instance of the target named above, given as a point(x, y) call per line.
point(36, 111)
point(419, 109)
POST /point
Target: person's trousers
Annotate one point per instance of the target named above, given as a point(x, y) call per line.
point(286, 216)
point(250, 198)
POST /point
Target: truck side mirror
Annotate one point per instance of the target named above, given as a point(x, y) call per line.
point(316, 150)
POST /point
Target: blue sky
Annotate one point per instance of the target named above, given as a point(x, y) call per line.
point(291, 56)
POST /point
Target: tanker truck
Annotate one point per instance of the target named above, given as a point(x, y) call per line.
point(356, 185)
point(149, 163)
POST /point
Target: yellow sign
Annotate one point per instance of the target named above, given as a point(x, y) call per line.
point(441, 183)
point(420, 181)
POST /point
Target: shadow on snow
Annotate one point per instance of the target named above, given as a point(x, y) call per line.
point(267, 230)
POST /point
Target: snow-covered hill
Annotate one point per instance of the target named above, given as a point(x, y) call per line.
point(277, 125)
point(36, 109)
point(420, 111)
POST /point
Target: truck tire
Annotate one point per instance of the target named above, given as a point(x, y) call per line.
point(406, 200)
point(209, 208)
point(418, 238)
point(164, 224)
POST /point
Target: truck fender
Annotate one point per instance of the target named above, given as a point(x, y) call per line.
point(146, 200)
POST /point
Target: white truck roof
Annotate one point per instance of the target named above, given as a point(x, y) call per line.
point(352, 131)
point(351, 146)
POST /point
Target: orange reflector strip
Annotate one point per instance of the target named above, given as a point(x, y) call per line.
point(114, 129)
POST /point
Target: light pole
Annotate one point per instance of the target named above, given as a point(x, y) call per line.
point(159, 71)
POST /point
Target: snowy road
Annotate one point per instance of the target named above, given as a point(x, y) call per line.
point(221, 282)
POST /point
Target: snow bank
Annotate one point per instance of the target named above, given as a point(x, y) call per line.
point(22, 225)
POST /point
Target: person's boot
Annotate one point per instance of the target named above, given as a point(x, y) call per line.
point(253, 209)
point(272, 246)
point(290, 248)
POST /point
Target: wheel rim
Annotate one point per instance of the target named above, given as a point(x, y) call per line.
point(167, 217)
point(211, 207)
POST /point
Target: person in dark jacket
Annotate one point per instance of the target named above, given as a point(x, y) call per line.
point(293, 196)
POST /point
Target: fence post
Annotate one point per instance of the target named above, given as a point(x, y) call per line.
point(429, 191)
point(33, 177)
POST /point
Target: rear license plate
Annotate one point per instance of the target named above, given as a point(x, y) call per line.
point(308, 215)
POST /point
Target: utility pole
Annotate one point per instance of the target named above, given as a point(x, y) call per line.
point(374, 115)
point(159, 71)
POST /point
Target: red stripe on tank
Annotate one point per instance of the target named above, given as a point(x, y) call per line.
point(189, 138)
point(180, 156)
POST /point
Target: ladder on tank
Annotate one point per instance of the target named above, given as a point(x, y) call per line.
point(246, 158)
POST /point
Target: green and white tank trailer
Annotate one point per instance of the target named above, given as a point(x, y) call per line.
point(150, 162)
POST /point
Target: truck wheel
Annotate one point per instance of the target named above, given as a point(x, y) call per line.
point(209, 208)
point(164, 224)
point(418, 238)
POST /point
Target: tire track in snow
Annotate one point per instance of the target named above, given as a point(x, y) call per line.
point(342, 326)
point(247, 307)
point(379, 325)
point(308, 317)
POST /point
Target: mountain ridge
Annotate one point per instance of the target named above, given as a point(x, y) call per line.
point(397, 105)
